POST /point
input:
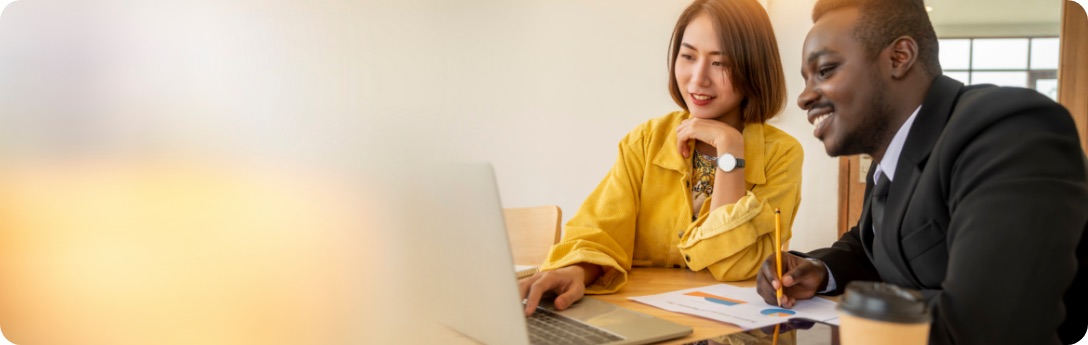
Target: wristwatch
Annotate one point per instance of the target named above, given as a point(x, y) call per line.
point(728, 162)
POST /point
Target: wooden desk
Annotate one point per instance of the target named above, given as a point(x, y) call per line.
point(651, 281)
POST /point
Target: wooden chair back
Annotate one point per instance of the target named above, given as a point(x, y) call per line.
point(532, 232)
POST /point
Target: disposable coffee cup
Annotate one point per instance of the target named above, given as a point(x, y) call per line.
point(879, 313)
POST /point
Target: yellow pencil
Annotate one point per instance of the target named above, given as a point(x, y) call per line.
point(774, 338)
point(778, 250)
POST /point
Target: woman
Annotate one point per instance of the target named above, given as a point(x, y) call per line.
point(695, 188)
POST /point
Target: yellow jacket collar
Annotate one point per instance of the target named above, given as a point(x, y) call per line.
point(754, 150)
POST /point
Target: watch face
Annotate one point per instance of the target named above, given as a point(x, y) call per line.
point(727, 162)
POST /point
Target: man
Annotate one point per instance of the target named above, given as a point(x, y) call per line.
point(978, 196)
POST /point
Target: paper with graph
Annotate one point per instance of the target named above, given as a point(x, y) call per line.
point(739, 306)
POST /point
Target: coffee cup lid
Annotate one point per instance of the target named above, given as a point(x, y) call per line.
point(884, 302)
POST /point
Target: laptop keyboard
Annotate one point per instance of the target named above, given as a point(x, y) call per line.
point(547, 328)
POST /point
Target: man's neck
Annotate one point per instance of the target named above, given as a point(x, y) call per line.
point(905, 100)
point(886, 138)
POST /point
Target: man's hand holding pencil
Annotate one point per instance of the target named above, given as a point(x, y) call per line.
point(801, 279)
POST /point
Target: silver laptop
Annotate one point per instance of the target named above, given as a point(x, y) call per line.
point(475, 276)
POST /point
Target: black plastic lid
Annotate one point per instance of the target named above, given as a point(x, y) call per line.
point(884, 302)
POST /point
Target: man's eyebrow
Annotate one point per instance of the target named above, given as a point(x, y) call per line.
point(817, 54)
point(693, 48)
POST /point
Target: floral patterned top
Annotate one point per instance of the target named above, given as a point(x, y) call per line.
point(702, 180)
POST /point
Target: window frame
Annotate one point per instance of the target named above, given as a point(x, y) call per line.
point(1033, 75)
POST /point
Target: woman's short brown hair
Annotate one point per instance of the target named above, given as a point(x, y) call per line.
point(750, 51)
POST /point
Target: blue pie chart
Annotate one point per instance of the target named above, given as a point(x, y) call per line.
point(778, 312)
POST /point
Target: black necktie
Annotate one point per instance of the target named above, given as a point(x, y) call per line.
point(880, 197)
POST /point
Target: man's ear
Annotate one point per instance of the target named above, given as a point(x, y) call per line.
point(904, 52)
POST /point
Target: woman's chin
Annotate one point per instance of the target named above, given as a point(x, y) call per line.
point(701, 115)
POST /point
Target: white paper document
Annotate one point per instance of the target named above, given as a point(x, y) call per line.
point(739, 306)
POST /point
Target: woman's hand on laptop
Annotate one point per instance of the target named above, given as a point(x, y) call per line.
point(568, 283)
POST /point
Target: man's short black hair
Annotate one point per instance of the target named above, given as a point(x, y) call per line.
point(880, 22)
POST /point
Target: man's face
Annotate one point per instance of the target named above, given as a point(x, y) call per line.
point(845, 91)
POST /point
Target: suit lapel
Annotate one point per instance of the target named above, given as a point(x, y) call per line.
point(923, 134)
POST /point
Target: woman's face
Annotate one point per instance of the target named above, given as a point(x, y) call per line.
point(701, 74)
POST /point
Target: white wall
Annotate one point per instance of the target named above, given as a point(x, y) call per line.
point(546, 89)
point(817, 218)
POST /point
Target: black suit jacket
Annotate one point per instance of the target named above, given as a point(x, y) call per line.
point(986, 216)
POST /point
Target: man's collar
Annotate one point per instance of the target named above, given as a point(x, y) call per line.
point(895, 147)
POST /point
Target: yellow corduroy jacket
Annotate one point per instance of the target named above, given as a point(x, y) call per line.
point(640, 214)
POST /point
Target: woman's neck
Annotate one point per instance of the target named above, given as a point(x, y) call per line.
point(733, 119)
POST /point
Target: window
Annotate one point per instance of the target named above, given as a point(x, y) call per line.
point(1025, 62)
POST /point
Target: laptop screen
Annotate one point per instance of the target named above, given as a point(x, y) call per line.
point(476, 290)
